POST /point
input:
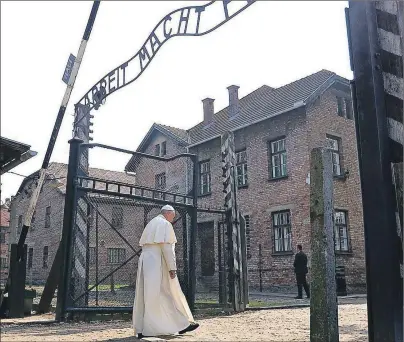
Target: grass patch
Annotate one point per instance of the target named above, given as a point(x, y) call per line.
point(206, 301)
point(259, 304)
point(104, 287)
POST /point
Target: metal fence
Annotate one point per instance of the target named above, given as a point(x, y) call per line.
point(107, 212)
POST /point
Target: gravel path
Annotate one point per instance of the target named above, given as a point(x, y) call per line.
point(266, 325)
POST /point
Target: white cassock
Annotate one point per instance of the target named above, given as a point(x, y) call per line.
point(160, 307)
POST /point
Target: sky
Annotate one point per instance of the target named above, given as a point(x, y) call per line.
point(272, 43)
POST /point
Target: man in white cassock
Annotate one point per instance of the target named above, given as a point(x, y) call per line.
point(160, 307)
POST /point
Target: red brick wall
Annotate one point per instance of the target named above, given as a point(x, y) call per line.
point(323, 120)
point(263, 196)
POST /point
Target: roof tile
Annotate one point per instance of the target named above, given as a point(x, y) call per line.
point(262, 103)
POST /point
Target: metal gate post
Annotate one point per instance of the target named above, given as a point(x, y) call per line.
point(192, 243)
point(185, 278)
point(68, 226)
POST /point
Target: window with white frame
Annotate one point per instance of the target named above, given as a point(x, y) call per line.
point(3, 263)
point(341, 231)
point(241, 166)
point(344, 107)
point(278, 158)
point(116, 255)
point(334, 145)
point(157, 150)
point(160, 184)
point(204, 178)
point(282, 235)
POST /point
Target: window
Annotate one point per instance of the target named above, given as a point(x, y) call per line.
point(160, 184)
point(3, 263)
point(241, 164)
point(116, 255)
point(157, 150)
point(344, 107)
point(92, 255)
point(45, 257)
point(47, 217)
point(117, 217)
point(204, 177)
point(33, 219)
point(164, 148)
point(282, 231)
point(334, 145)
point(247, 233)
point(340, 106)
point(30, 257)
point(278, 158)
point(341, 231)
point(2, 237)
point(19, 227)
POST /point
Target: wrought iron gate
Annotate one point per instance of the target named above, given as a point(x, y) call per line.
point(105, 214)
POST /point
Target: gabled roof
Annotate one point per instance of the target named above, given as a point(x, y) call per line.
point(178, 134)
point(264, 103)
point(57, 172)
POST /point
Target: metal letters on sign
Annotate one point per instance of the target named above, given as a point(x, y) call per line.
point(68, 69)
point(186, 21)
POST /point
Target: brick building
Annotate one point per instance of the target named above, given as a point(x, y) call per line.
point(4, 242)
point(45, 232)
point(275, 130)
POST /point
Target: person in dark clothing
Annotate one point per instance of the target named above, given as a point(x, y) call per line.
point(300, 265)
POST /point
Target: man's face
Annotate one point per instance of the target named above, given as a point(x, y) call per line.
point(170, 215)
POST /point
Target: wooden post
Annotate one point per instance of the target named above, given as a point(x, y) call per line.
point(51, 282)
point(17, 284)
point(323, 303)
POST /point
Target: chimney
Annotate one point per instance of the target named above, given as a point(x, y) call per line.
point(234, 105)
point(208, 110)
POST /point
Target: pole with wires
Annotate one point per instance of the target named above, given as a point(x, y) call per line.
point(52, 141)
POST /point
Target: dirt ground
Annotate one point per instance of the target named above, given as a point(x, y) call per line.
point(264, 325)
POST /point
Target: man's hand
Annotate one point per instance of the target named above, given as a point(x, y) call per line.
point(173, 274)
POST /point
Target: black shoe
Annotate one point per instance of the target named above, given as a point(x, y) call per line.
point(298, 297)
point(140, 336)
point(191, 327)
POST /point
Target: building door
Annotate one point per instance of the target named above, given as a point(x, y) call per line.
point(207, 248)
